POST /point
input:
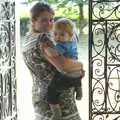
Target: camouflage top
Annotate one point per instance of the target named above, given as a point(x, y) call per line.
point(42, 73)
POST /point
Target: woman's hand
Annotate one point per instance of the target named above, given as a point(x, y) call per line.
point(78, 73)
point(73, 68)
point(52, 56)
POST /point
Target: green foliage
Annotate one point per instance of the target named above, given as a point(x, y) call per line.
point(72, 9)
point(29, 1)
point(64, 2)
point(53, 1)
point(67, 8)
point(24, 22)
point(69, 12)
point(80, 1)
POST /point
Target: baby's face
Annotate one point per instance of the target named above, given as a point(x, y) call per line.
point(61, 35)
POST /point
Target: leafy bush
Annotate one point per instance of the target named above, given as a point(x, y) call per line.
point(24, 22)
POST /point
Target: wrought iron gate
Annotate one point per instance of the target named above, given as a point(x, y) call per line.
point(7, 61)
point(104, 59)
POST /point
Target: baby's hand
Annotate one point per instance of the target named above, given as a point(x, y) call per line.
point(43, 37)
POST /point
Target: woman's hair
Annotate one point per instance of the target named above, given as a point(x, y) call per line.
point(65, 24)
point(38, 8)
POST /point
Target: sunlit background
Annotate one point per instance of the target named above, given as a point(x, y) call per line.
point(76, 11)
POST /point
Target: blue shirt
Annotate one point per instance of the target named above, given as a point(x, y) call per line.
point(67, 49)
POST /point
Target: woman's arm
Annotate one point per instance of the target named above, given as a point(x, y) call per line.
point(62, 64)
point(54, 58)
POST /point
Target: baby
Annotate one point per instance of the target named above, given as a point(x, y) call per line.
point(63, 34)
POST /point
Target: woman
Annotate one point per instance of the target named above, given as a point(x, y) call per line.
point(42, 69)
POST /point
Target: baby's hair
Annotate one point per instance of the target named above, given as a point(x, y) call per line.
point(65, 24)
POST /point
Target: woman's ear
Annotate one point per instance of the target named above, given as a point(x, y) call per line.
point(33, 20)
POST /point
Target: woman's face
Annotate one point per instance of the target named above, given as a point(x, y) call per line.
point(44, 22)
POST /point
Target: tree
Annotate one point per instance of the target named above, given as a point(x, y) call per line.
point(82, 21)
point(80, 4)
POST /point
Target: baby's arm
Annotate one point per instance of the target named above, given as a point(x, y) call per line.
point(54, 58)
point(60, 49)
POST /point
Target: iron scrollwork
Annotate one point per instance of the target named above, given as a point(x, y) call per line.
point(104, 59)
point(8, 106)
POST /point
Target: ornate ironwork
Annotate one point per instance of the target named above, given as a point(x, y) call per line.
point(8, 106)
point(104, 59)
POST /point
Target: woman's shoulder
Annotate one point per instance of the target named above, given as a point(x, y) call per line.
point(31, 36)
point(30, 41)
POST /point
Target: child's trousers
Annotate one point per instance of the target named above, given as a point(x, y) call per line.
point(61, 81)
